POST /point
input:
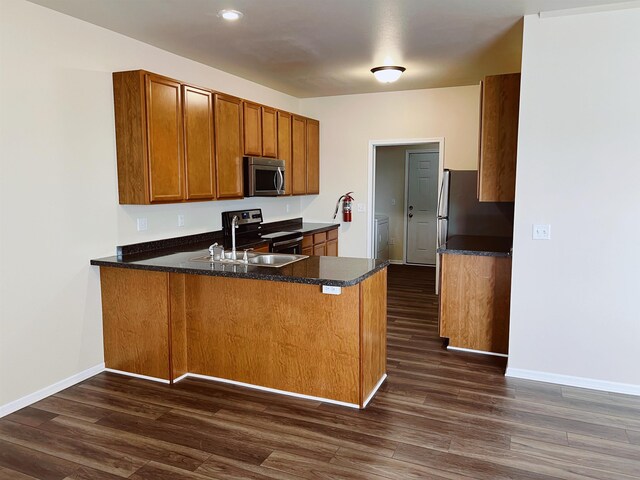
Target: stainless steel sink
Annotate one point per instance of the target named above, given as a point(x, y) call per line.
point(274, 260)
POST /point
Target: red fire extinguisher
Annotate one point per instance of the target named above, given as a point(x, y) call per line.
point(346, 200)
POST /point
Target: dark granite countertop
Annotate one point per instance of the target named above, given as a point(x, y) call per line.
point(334, 271)
point(175, 255)
point(478, 245)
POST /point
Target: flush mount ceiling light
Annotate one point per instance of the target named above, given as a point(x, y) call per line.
point(387, 74)
point(231, 15)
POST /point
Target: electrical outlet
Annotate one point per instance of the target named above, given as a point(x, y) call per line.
point(393, 201)
point(362, 208)
point(329, 290)
point(141, 223)
point(180, 220)
point(392, 241)
point(542, 232)
point(287, 207)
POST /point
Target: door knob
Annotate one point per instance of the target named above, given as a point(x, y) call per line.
point(411, 215)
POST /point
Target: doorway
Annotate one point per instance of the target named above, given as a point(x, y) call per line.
point(397, 167)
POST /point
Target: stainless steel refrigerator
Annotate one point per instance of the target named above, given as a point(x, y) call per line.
point(460, 212)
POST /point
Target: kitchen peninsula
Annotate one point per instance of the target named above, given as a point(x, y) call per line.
point(166, 316)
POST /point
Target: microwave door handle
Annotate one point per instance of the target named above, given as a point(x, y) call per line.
point(280, 186)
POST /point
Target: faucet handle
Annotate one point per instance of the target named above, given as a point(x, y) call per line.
point(245, 259)
point(212, 249)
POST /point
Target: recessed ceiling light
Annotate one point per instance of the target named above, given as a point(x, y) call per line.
point(230, 15)
point(387, 74)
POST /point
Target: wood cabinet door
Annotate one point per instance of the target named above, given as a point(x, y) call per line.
point(228, 146)
point(499, 138)
point(284, 147)
point(252, 129)
point(298, 156)
point(320, 249)
point(307, 251)
point(332, 248)
point(269, 133)
point(164, 139)
point(313, 156)
point(198, 143)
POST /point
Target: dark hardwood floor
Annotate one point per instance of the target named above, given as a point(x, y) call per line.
point(439, 415)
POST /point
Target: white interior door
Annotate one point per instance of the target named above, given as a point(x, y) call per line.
point(421, 207)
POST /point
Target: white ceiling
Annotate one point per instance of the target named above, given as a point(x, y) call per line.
point(310, 48)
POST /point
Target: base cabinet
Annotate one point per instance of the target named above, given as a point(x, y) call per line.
point(166, 325)
point(475, 296)
point(323, 244)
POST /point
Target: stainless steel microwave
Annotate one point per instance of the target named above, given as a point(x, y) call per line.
point(263, 177)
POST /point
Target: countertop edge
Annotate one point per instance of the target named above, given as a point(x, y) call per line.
point(258, 275)
point(479, 253)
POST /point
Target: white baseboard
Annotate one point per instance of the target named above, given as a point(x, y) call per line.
point(50, 390)
point(458, 349)
point(571, 381)
point(273, 390)
point(375, 389)
point(137, 375)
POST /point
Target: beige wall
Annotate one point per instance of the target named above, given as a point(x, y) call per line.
point(58, 191)
point(350, 122)
point(574, 312)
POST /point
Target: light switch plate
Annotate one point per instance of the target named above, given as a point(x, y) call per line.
point(329, 290)
point(141, 224)
point(542, 232)
point(362, 207)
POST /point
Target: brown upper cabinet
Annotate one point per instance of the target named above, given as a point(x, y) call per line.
point(498, 138)
point(260, 131)
point(228, 128)
point(149, 138)
point(305, 168)
point(284, 146)
point(313, 156)
point(177, 142)
point(199, 153)
point(269, 133)
point(252, 129)
point(298, 156)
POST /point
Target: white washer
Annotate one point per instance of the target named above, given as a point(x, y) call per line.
point(381, 235)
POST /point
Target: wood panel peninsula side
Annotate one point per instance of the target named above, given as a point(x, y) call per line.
point(279, 333)
point(475, 289)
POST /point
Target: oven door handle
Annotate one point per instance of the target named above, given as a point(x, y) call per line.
point(286, 242)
